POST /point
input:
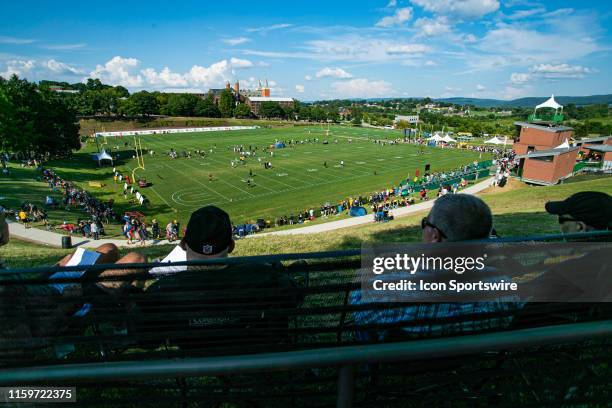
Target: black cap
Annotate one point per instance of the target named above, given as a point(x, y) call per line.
point(209, 231)
point(591, 207)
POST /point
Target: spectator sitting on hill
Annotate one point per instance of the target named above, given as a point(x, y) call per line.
point(454, 217)
point(583, 212)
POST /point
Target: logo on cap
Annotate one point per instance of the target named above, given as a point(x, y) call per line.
point(207, 249)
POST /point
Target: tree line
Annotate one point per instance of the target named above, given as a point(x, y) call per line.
point(35, 121)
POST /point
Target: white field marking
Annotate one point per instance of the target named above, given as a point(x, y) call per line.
point(162, 198)
point(282, 174)
point(398, 157)
point(380, 159)
point(361, 162)
point(311, 170)
point(223, 181)
point(337, 166)
point(199, 182)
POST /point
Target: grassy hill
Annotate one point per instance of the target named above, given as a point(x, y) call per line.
point(518, 210)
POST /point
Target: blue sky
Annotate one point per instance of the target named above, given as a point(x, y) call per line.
point(318, 49)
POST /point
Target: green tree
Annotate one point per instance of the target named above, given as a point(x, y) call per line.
point(226, 103)
point(41, 121)
point(356, 116)
point(242, 111)
point(121, 92)
point(181, 105)
point(271, 109)
point(145, 103)
point(207, 108)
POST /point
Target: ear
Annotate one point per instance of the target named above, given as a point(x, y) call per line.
point(437, 237)
point(231, 247)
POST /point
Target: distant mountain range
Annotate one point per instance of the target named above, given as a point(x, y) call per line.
point(529, 102)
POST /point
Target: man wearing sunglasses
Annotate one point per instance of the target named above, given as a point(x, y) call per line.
point(582, 212)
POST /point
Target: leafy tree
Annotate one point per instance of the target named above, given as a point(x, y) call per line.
point(226, 103)
point(271, 109)
point(121, 92)
point(356, 116)
point(145, 103)
point(41, 122)
point(242, 111)
point(181, 104)
point(207, 108)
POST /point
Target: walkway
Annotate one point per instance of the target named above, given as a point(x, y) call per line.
point(40, 236)
point(368, 219)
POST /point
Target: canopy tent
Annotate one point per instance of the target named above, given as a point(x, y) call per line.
point(564, 145)
point(496, 141)
point(102, 156)
point(550, 103)
point(357, 212)
point(435, 138)
point(448, 139)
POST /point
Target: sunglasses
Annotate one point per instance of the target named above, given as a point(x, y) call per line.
point(425, 223)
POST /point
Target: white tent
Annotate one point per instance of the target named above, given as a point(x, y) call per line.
point(435, 137)
point(102, 156)
point(550, 103)
point(494, 140)
point(447, 139)
point(564, 145)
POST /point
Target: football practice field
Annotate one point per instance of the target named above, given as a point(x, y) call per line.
point(303, 175)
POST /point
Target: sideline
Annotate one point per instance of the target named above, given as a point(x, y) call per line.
point(54, 239)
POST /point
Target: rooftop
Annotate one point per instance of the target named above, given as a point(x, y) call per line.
point(553, 129)
point(544, 153)
point(599, 148)
point(270, 99)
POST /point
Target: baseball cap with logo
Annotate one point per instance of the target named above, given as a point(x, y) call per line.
point(209, 231)
point(591, 207)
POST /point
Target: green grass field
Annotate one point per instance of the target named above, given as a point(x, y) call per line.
point(297, 181)
point(518, 210)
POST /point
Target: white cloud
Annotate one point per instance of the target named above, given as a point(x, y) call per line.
point(20, 68)
point(58, 67)
point(240, 63)
point(507, 45)
point(215, 74)
point(430, 63)
point(362, 88)
point(560, 70)
point(13, 40)
point(520, 14)
point(465, 9)
point(469, 38)
point(299, 88)
point(431, 27)
point(403, 49)
point(332, 73)
point(400, 16)
point(452, 89)
point(164, 78)
point(511, 92)
point(352, 48)
point(265, 29)
point(236, 41)
point(308, 78)
point(65, 47)
point(550, 71)
point(124, 71)
point(518, 78)
point(392, 3)
point(480, 88)
point(116, 71)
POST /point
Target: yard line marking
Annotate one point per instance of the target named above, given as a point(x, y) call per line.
point(199, 182)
